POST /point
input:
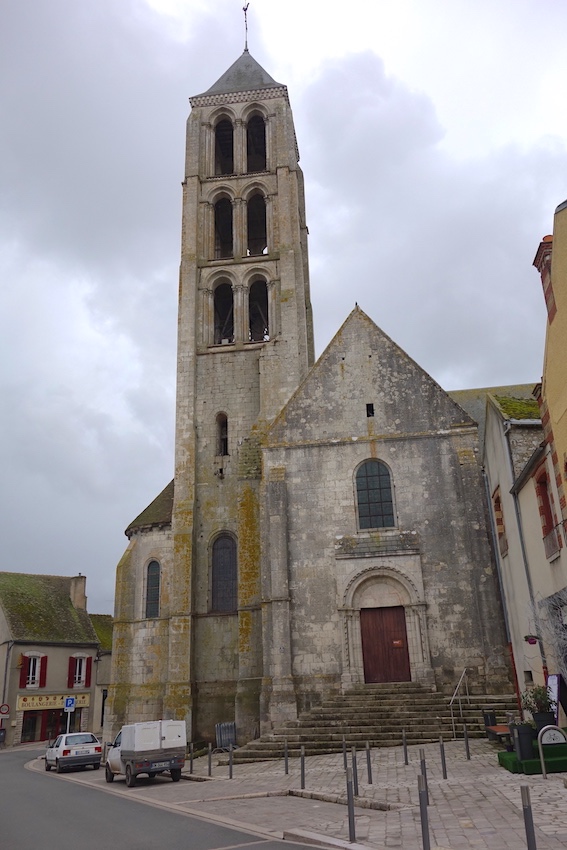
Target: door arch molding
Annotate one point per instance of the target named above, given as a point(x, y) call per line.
point(384, 587)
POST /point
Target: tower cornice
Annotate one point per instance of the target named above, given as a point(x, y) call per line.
point(221, 98)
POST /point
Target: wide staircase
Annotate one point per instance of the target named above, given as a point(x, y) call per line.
point(378, 714)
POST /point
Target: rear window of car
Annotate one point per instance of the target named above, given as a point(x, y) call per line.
point(85, 738)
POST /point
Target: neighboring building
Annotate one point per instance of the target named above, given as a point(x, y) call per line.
point(102, 624)
point(513, 436)
point(48, 651)
point(550, 475)
point(326, 524)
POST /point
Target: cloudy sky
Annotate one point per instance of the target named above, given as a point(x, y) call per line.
point(433, 137)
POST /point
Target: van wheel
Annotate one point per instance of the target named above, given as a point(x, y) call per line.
point(130, 778)
point(108, 774)
point(175, 773)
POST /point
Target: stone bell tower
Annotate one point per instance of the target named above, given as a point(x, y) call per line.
point(245, 342)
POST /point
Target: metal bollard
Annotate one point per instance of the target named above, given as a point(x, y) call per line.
point(467, 748)
point(354, 772)
point(191, 757)
point(368, 763)
point(344, 753)
point(422, 792)
point(350, 806)
point(302, 767)
point(424, 774)
point(405, 745)
point(286, 758)
point(210, 756)
point(528, 817)
point(230, 761)
point(443, 759)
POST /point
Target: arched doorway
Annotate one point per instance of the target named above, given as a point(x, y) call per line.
point(385, 655)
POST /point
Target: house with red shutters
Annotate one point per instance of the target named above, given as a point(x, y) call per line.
point(49, 651)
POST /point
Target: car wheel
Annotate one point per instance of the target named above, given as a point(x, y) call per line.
point(47, 765)
point(58, 768)
point(130, 778)
point(175, 773)
point(96, 765)
point(108, 774)
point(152, 774)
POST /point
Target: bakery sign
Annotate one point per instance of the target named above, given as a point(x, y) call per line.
point(34, 702)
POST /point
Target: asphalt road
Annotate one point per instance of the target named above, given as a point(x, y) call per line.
point(36, 812)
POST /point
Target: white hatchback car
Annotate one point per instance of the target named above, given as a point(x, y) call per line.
point(77, 749)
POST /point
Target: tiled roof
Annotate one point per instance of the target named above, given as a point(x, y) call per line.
point(102, 624)
point(38, 608)
point(157, 513)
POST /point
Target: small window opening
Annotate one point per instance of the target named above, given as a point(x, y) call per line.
point(259, 330)
point(152, 589)
point(256, 144)
point(224, 315)
point(223, 229)
point(374, 495)
point(224, 575)
point(224, 147)
point(222, 434)
point(257, 236)
point(370, 410)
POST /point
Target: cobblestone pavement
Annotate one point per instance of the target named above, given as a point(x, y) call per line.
point(478, 807)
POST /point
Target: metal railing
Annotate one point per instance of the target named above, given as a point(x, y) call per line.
point(458, 696)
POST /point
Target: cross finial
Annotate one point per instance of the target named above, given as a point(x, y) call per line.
point(245, 10)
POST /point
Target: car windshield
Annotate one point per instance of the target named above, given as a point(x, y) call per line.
point(81, 738)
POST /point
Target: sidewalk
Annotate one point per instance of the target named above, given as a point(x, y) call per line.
point(478, 807)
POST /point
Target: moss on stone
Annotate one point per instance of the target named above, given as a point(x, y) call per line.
point(518, 408)
point(102, 624)
point(39, 608)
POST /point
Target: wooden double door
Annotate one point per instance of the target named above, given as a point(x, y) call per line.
point(385, 645)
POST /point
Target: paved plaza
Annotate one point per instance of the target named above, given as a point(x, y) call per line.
point(478, 807)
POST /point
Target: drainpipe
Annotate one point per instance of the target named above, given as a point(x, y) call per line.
point(507, 429)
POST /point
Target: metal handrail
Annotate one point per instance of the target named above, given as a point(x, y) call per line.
point(457, 695)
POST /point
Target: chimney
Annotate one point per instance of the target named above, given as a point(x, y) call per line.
point(78, 592)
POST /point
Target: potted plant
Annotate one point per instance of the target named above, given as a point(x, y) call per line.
point(523, 740)
point(539, 702)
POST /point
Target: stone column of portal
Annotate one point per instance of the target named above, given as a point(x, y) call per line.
point(239, 293)
point(239, 228)
point(273, 308)
point(239, 147)
point(208, 148)
point(282, 702)
point(208, 314)
point(269, 223)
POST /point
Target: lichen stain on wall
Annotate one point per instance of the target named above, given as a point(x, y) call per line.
point(249, 562)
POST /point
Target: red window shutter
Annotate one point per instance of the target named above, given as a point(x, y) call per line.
point(71, 673)
point(42, 671)
point(24, 671)
point(88, 672)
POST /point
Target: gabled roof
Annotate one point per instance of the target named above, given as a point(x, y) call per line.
point(39, 609)
point(363, 365)
point(243, 75)
point(474, 401)
point(102, 624)
point(158, 513)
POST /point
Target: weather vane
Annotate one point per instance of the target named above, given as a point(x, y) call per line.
point(245, 10)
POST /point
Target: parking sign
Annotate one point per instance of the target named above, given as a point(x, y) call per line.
point(69, 703)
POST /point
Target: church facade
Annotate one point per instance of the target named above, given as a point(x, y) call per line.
point(326, 524)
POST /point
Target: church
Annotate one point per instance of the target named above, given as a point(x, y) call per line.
point(326, 526)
